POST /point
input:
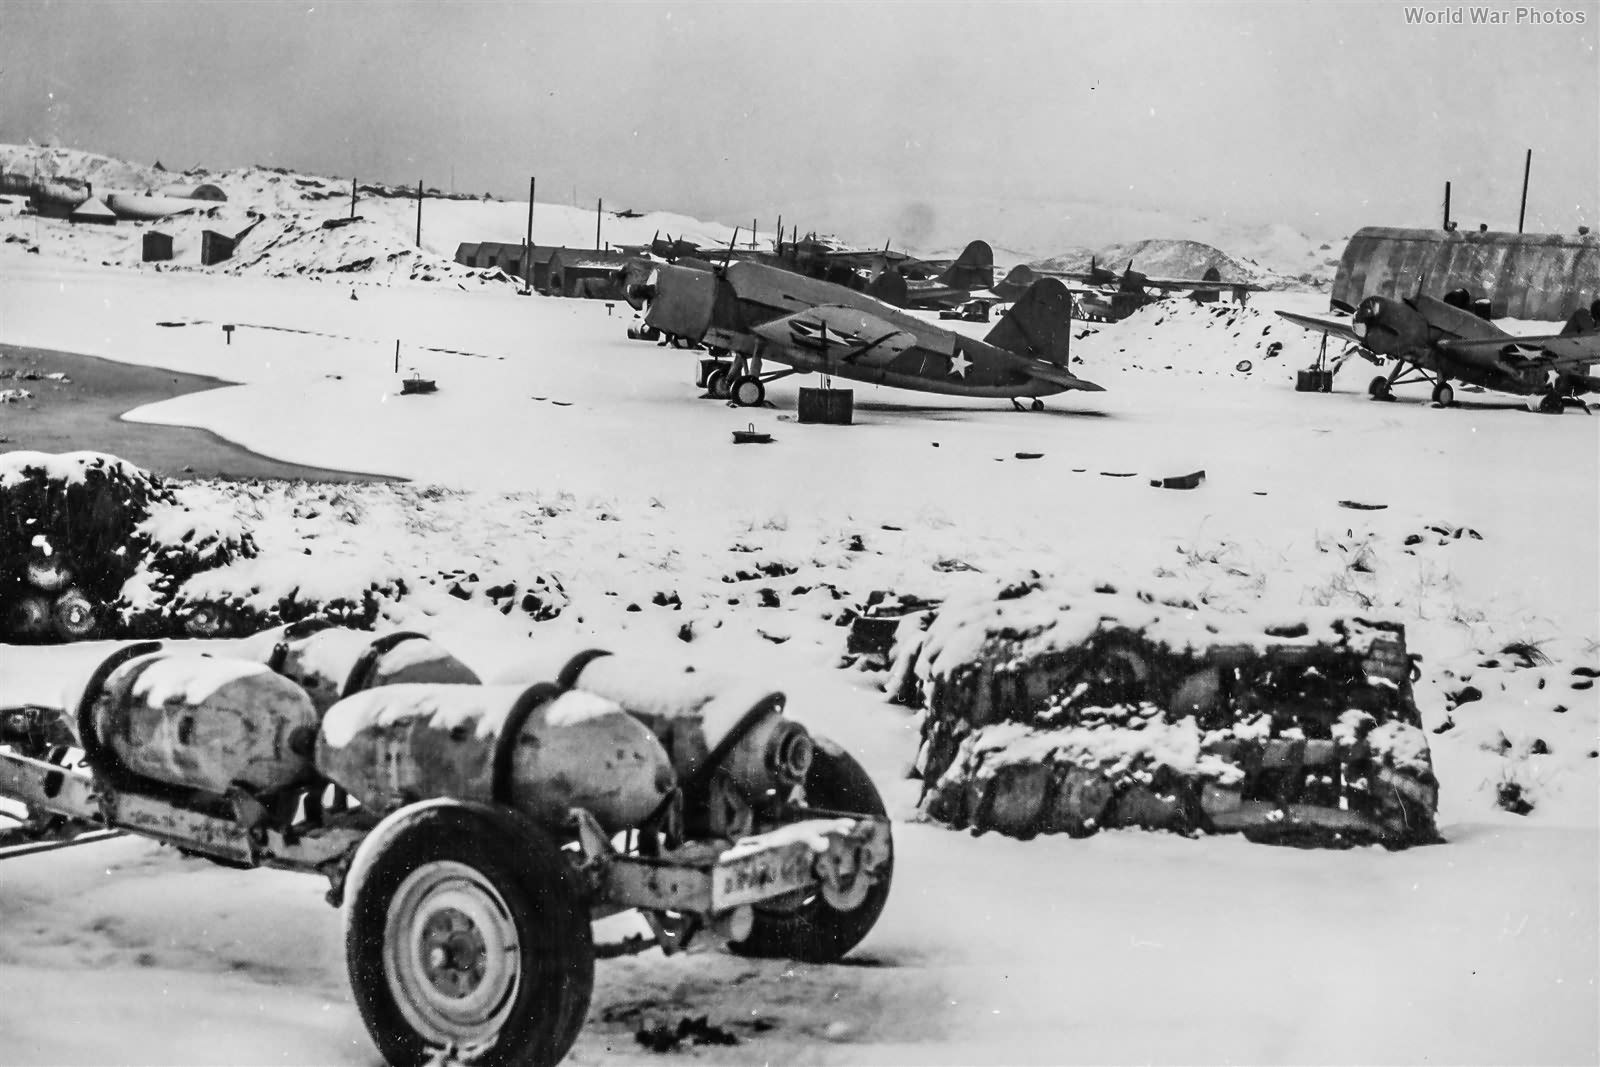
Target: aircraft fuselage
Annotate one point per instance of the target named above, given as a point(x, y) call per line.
point(813, 326)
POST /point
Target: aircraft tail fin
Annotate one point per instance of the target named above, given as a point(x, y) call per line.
point(1583, 321)
point(973, 269)
point(889, 286)
point(1039, 324)
point(1013, 285)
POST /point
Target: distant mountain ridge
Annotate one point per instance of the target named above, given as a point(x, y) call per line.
point(1065, 233)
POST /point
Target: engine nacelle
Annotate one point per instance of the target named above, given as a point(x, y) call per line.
point(539, 749)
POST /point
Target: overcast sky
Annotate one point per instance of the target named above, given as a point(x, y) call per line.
point(1322, 115)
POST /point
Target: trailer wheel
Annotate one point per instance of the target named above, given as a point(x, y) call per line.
point(466, 936)
point(811, 929)
point(717, 384)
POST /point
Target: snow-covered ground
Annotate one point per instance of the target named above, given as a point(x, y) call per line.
point(563, 448)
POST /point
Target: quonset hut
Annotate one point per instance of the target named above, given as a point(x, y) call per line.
point(1524, 275)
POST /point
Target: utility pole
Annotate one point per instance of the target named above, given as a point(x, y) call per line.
point(752, 235)
point(527, 245)
point(352, 197)
point(1527, 165)
point(419, 212)
point(1447, 207)
point(598, 204)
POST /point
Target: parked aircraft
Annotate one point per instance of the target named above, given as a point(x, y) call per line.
point(752, 313)
point(628, 213)
point(1437, 341)
point(1106, 296)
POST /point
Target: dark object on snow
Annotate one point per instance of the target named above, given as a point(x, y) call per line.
point(750, 436)
point(1356, 505)
point(832, 407)
point(1062, 716)
point(1182, 481)
point(659, 1037)
point(156, 247)
point(1119, 474)
point(418, 384)
point(215, 247)
point(1313, 381)
point(1030, 455)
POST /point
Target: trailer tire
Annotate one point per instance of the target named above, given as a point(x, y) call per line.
point(467, 935)
point(814, 931)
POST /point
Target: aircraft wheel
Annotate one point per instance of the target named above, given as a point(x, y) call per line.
point(467, 934)
point(1378, 388)
point(748, 392)
point(813, 929)
point(1443, 395)
point(1551, 404)
point(717, 383)
point(1037, 405)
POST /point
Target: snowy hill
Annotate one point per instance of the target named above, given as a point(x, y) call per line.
point(1019, 231)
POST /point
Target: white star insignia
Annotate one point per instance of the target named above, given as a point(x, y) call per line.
point(959, 363)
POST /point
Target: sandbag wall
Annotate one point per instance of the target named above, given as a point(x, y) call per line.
point(1054, 709)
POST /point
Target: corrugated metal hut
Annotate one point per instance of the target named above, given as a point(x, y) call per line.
point(157, 247)
point(202, 191)
point(1525, 276)
point(585, 272)
point(508, 257)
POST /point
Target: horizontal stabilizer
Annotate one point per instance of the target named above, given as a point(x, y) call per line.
point(1049, 372)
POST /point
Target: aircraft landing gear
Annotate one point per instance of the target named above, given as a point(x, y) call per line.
point(1443, 395)
point(1378, 388)
point(1035, 405)
point(747, 392)
point(718, 385)
point(1551, 404)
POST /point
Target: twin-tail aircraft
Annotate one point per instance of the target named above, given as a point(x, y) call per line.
point(749, 314)
point(1439, 341)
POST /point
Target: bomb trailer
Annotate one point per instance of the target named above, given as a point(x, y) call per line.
point(470, 832)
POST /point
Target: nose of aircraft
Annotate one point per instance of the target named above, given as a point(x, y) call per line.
point(1370, 311)
point(640, 292)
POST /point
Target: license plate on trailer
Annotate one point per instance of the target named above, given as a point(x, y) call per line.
point(758, 876)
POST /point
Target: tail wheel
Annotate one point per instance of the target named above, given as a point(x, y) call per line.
point(1443, 395)
point(717, 383)
point(466, 936)
point(748, 392)
point(812, 929)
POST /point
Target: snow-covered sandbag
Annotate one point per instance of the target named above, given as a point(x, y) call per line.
point(1060, 707)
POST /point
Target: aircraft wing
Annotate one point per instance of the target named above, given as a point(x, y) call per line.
point(1554, 351)
point(1199, 283)
point(1340, 327)
point(837, 332)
